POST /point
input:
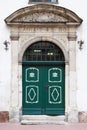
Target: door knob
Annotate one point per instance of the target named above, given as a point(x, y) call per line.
point(47, 86)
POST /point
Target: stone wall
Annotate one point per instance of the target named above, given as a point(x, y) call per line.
point(82, 117)
point(4, 116)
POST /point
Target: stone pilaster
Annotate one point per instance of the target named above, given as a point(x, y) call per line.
point(72, 112)
point(14, 102)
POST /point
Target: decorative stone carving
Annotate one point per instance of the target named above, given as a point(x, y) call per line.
point(43, 13)
point(43, 30)
point(41, 17)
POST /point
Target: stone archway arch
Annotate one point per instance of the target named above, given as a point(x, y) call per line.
point(43, 38)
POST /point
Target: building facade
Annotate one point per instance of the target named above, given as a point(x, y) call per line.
point(42, 71)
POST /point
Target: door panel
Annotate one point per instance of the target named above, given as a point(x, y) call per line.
point(32, 91)
point(55, 102)
point(43, 89)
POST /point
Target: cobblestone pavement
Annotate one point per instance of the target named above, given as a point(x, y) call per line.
point(17, 126)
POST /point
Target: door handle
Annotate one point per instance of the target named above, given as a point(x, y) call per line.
point(46, 87)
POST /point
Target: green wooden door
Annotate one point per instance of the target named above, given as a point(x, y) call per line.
point(43, 89)
point(55, 90)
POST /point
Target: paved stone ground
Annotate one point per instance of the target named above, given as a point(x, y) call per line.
point(17, 126)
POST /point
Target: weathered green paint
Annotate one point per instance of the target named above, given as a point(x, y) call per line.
point(43, 89)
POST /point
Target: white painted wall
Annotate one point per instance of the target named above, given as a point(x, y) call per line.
point(79, 7)
point(8, 7)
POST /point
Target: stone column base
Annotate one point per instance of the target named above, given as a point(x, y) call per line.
point(15, 115)
point(73, 116)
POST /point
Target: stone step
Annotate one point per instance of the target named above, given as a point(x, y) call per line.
point(42, 119)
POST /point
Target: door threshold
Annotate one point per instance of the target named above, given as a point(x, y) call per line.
point(42, 119)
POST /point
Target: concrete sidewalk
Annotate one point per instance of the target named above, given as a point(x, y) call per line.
point(17, 126)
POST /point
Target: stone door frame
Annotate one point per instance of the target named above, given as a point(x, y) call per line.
point(70, 100)
point(61, 32)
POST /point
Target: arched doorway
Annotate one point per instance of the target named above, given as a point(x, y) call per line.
point(43, 22)
point(43, 80)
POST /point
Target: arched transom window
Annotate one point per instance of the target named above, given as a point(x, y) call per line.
point(43, 51)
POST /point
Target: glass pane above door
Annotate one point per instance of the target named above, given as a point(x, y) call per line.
point(43, 51)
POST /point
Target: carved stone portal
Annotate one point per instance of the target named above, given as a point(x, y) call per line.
point(43, 22)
